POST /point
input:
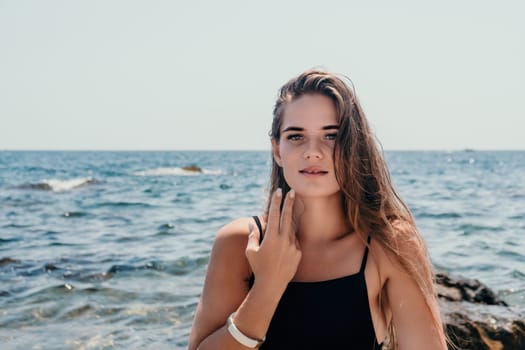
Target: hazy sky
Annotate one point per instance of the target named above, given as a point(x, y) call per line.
point(204, 74)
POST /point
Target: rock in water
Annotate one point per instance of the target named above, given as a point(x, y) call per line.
point(462, 289)
point(476, 319)
point(7, 260)
point(192, 168)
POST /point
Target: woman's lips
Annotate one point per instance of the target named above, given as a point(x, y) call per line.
point(313, 172)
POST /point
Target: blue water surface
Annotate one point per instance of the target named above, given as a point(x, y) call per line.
point(109, 249)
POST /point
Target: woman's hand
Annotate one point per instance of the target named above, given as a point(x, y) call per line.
point(274, 262)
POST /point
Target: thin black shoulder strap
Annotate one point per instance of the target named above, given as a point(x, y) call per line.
point(363, 263)
point(259, 226)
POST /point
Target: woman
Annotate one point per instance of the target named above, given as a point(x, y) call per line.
point(336, 262)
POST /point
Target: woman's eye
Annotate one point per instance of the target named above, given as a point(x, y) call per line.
point(331, 136)
point(295, 137)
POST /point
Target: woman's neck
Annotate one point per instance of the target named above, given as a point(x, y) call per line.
point(320, 220)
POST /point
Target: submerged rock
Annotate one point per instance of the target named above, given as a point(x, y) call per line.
point(193, 168)
point(7, 261)
point(476, 318)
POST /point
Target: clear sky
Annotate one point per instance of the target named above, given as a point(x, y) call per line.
point(180, 75)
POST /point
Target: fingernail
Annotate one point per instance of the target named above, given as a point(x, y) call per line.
point(279, 192)
point(292, 194)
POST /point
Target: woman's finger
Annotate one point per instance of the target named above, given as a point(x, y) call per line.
point(274, 215)
point(286, 227)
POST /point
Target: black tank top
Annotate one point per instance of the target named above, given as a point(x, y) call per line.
point(332, 314)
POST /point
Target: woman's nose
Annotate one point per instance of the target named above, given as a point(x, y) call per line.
point(313, 150)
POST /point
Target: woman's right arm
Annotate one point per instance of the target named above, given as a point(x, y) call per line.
point(235, 253)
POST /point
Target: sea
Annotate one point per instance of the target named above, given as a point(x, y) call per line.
point(108, 250)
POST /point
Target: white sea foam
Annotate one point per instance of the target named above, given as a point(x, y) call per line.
point(176, 172)
point(67, 185)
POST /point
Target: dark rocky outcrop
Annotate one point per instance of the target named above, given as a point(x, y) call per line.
point(476, 318)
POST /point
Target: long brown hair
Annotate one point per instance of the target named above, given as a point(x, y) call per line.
point(370, 201)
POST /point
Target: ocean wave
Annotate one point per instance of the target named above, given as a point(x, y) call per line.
point(186, 171)
point(181, 266)
point(64, 270)
point(9, 240)
point(122, 204)
point(74, 214)
point(445, 215)
point(56, 185)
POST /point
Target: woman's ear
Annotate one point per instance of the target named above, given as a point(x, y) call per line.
point(275, 152)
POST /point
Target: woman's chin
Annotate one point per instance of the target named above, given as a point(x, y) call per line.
point(316, 193)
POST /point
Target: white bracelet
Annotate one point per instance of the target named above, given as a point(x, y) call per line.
point(241, 337)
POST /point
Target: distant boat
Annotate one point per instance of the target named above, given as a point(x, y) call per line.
point(468, 150)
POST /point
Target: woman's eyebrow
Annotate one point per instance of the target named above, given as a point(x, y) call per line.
point(297, 128)
point(293, 128)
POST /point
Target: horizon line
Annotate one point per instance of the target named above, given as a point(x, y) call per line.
point(467, 149)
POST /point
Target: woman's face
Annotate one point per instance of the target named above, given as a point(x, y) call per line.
point(305, 150)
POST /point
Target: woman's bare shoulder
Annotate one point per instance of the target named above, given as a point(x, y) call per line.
point(405, 241)
point(235, 228)
point(228, 267)
point(234, 233)
point(231, 239)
